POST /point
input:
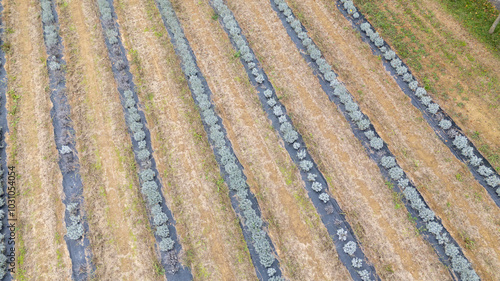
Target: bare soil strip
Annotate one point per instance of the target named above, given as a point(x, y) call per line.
point(489, 179)
point(40, 249)
point(338, 152)
point(121, 241)
point(449, 189)
point(329, 210)
point(213, 244)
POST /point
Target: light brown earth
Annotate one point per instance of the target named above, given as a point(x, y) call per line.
point(388, 236)
point(462, 73)
point(208, 228)
point(446, 184)
point(121, 240)
point(40, 248)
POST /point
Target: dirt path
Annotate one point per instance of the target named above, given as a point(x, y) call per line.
point(211, 238)
point(121, 240)
point(468, 212)
point(386, 233)
point(40, 243)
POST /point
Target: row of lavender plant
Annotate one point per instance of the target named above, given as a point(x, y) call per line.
point(76, 223)
point(442, 123)
point(445, 246)
point(161, 219)
point(350, 252)
point(9, 197)
point(242, 199)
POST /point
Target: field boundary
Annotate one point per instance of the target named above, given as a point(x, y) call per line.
point(243, 201)
point(447, 249)
point(75, 217)
point(443, 125)
point(160, 218)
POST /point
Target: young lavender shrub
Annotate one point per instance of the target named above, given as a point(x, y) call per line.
point(277, 110)
point(378, 42)
point(396, 173)
point(356, 115)
point(364, 26)
point(468, 151)
point(162, 231)
point(305, 165)
point(390, 55)
point(426, 214)
point(342, 234)
point(135, 126)
point(484, 171)
point(255, 72)
point(166, 244)
point(413, 85)
point(143, 154)
point(445, 124)
point(376, 143)
point(75, 231)
point(460, 142)
point(475, 161)
point(350, 248)
point(395, 63)
point(363, 124)
point(301, 154)
point(388, 162)
point(147, 175)
point(324, 197)
point(364, 275)
point(296, 146)
point(259, 78)
point(357, 263)
point(426, 100)
point(351, 106)
point(420, 92)
point(370, 134)
point(434, 227)
point(160, 218)
point(316, 186)
point(401, 70)
point(271, 102)
point(268, 93)
point(330, 76)
point(54, 65)
point(282, 119)
point(311, 177)
point(407, 78)
point(493, 181)
point(65, 149)
point(271, 272)
point(433, 108)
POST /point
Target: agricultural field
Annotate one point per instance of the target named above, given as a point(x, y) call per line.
point(249, 140)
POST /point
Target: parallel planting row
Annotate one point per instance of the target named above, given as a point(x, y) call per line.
point(444, 126)
point(243, 201)
point(346, 242)
point(161, 217)
point(5, 232)
point(76, 224)
point(446, 247)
